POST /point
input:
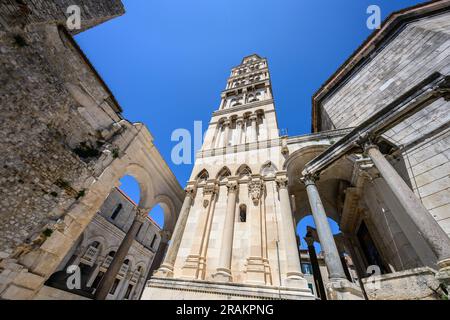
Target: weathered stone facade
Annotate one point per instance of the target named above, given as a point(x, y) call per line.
point(93, 253)
point(376, 164)
point(64, 143)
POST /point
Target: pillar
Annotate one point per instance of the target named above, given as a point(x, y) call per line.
point(166, 268)
point(294, 276)
point(426, 224)
point(108, 279)
point(316, 268)
point(224, 270)
point(253, 119)
point(256, 265)
point(240, 128)
point(226, 133)
point(332, 258)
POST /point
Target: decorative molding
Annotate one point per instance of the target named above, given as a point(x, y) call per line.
point(232, 186)
point(243, 107)
point(255, 190)
point(282, 182)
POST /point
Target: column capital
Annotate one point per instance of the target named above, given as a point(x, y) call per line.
point(226, 123)
point(191, 191)
point(210, 189)
point(309, 179)
point(165, 235)
point(232, 186)
point(240, 120)
point(141, 214)
point(309, 240)
point(253, 117)
point(366, 142)
point(282, 182)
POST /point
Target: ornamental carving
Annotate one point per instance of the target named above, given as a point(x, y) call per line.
point(209, 190)
point(191, 191)
point(232, 186)
point(255, 190)
point(141, 214)
point(282, 182)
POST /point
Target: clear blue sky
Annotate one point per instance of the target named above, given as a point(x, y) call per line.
point(167, 61)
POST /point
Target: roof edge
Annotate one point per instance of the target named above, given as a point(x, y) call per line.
point(389, 26)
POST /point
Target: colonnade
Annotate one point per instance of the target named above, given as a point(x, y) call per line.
point(237, 130)
point(223, 273)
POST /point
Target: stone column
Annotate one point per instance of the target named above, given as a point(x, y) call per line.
point(226, 133)
point(224, 270)
point(332, 258)
point(108, 279)
point(240, 128)
point(253, 119)
point(294, 276)
point(256, 266)
point(166, 269)
point(316, 268)
point(194, 265)
point(426, 224)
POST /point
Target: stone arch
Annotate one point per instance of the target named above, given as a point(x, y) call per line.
point(131, 259)
point(304, 154)
point(223, 173)
point(202, 176)
point(99, 239)
point(170, 213)
point(268, 169)
point(244, 170)
point(143, 177)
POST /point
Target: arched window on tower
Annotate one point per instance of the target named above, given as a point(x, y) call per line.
point(242, 213)
point(116, 211)
point(202, 176)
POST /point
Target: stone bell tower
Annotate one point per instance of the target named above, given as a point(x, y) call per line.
point(235, 235)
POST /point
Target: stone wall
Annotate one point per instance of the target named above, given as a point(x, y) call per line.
point(417, 50)
point(20, 13)
point(56, 120)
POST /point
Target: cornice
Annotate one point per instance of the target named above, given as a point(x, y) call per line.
point(243, 107)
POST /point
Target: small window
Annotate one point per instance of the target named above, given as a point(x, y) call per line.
point(127, 294)
point(97, 280)
point(307, 268)
point(242, 213)
point(114, 286)
point(153, 241)
point(116, 211)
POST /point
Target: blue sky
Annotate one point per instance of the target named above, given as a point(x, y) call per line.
point(166, 61)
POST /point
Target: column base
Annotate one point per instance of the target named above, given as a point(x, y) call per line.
point(164, 271)
point(342, 289)
point(443, 275)
point(295, 280)
point(257, 269)
point(193, 267)
point(223, 275)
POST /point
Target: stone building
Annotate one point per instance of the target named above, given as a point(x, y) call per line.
point(377, 163)
point(65, 145)
point(96, 247)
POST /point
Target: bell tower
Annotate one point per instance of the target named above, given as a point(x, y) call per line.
point(246, 113)
point(235, 236)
